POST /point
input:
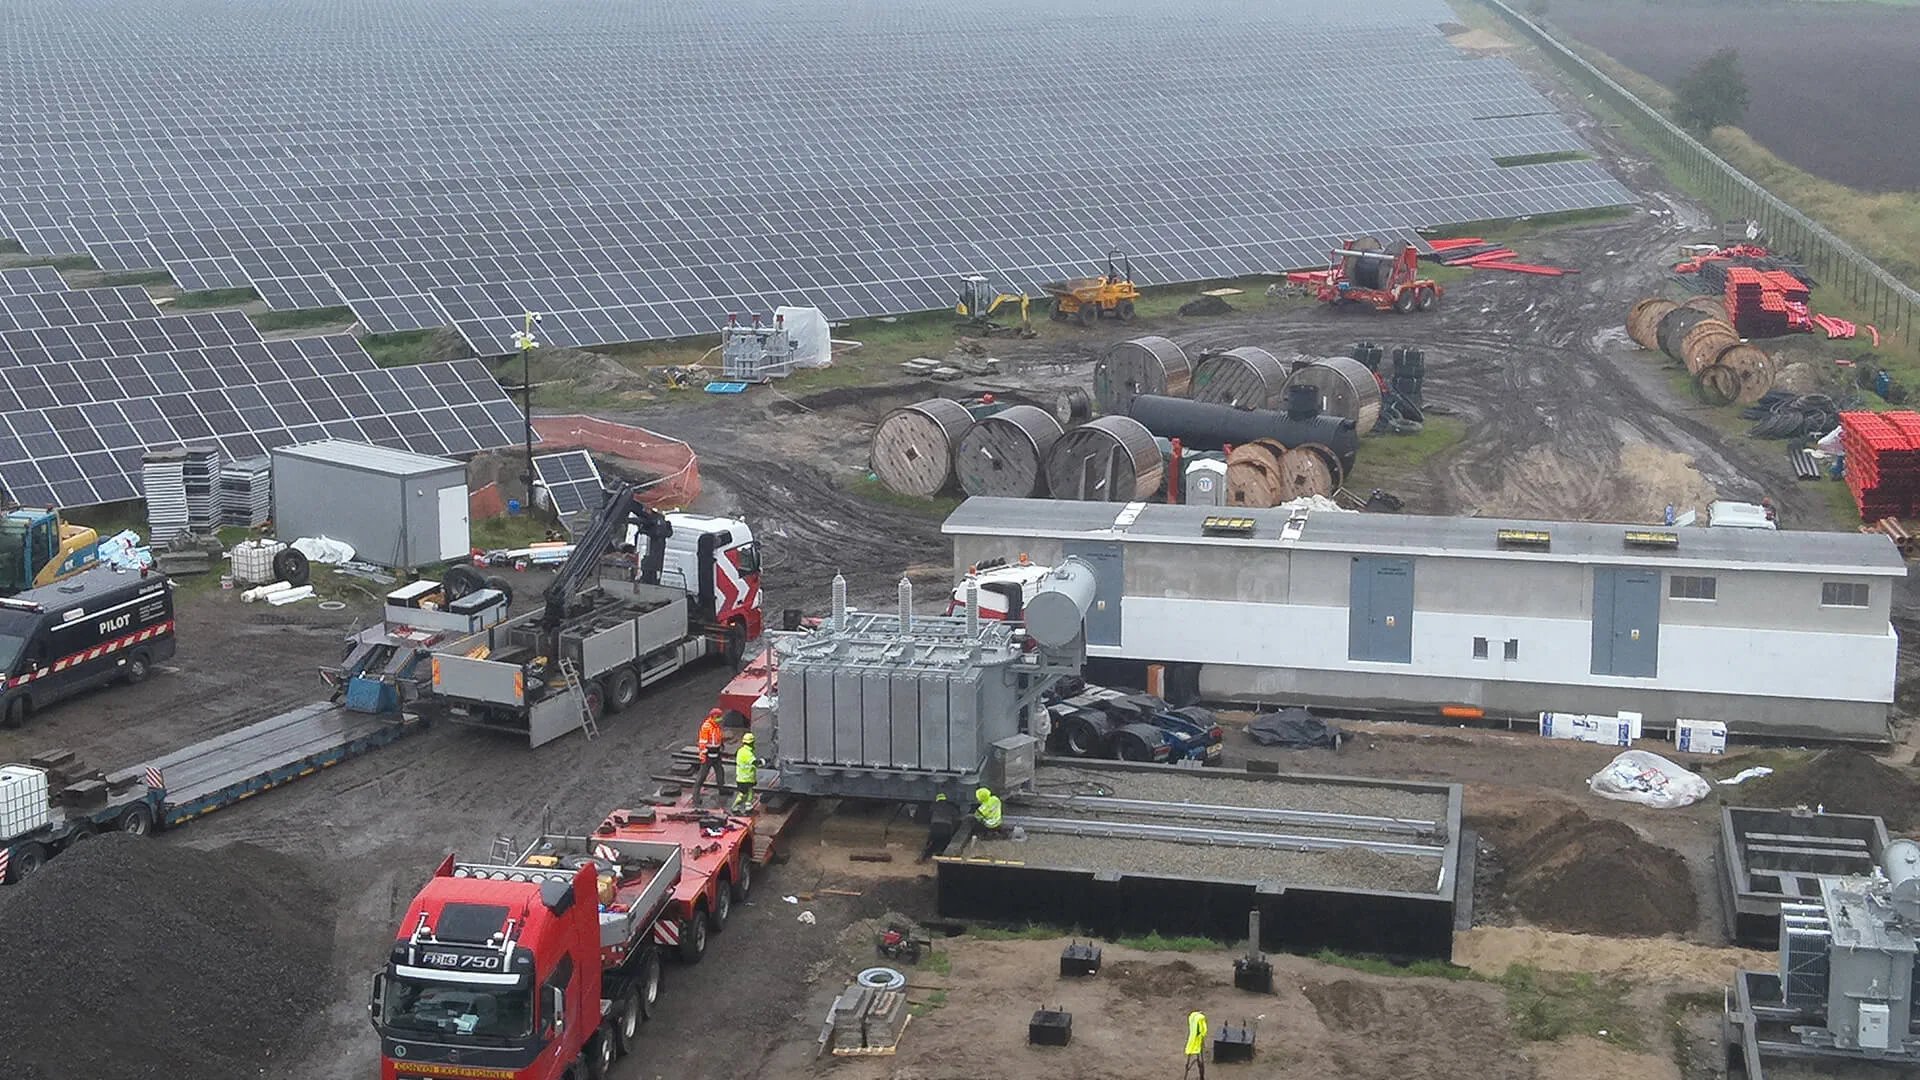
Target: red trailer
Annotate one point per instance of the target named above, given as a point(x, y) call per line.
point(716, 867)
point(1362, 273)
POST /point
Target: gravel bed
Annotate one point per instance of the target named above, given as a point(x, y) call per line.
point(1351, 868)
point(1228, 790)
point(1091, 811)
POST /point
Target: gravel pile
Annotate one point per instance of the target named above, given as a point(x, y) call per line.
point(1224, 789)
point(1350, 868)
point(131, 959)
point(1845, 782)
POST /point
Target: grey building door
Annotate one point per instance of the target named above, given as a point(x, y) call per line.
point(1109, 585)
point(1380, 610)
point(1626, 621)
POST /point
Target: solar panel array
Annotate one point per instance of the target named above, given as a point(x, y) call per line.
point(641, 170)
point(572, 481)
point(90, 379)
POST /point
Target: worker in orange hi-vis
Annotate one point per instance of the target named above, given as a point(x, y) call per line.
point(713, 739)
point(1196, 1044)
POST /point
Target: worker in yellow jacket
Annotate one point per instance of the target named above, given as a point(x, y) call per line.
point(746, 771)
point(1196, 1043)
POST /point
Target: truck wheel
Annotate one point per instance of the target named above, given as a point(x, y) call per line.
point(648, 990)
point(137, 669)
point(1079, 738)
point(1404, 302)
point(623, 688)
point(736, 644)
point(599, 1055)
point(500, 585)
point(1132, 744)
point(1425, 299)
point(693, 938)
point(1089, 313)
point(80, 833)
point(1123, 311)
point(138, 820)
point(16, 714)
point(742, 884)
point(722, 907)
point(26, 859)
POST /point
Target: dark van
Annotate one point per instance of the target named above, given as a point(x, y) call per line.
point(99, 625)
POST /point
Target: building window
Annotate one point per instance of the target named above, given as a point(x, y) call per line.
point(1843, 594)
point(1683, 587)
point(1479, 648)
point(1513, 648)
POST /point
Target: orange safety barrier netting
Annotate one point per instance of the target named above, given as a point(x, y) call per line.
point(672, 461)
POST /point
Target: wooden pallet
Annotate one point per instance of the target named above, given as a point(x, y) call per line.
point(875, 1051)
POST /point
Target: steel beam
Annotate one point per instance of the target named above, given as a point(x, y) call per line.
point(1216, 837)
point(1252, 815)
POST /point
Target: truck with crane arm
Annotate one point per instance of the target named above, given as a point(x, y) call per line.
point(608, 628)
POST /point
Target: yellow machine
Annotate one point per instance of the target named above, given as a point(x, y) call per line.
point(979, 300)
point(38, 548)
point(1085, 300)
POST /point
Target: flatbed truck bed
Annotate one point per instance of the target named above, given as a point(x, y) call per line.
point(240, 764)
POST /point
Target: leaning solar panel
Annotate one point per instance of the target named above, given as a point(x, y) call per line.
point(31, 279)
point(98, 341)
point(572, 481)
point(33, 311)
point(85, 448)
point(514, 170)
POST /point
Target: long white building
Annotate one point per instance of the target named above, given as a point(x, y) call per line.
point(1778, 632)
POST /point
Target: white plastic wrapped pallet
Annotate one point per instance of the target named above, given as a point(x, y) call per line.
point(812, 339)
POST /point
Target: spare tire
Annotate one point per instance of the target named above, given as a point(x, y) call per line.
point(290, 566)
point(500, 585)
point(462, 580)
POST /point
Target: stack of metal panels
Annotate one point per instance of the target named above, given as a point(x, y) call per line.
point(246, 491)
point(164, 482)
point(201, 478)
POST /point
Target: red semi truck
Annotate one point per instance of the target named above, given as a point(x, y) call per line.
point(493, 971)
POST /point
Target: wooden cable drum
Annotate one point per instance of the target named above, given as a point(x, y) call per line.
point(1336, 470)
point(1705, 342)
point(1644, 317)
point(1753, 365)
point(1712, 305)
point(1248, 377)
point(1073, 406)
point(1266, 473)
point(1717, 384)
point(1006, 454)
point(1347, 389)
point(1112, 459)
point(912, 448)
point(1143, 365)
point(1673, 327)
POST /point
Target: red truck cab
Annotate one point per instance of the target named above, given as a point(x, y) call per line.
point(539, 967)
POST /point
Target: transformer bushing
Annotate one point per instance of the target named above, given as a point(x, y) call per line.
point(905, 706)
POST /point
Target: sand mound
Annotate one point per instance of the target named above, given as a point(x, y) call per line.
point(130, 958)
point(1566, 870)
point(1845, 782)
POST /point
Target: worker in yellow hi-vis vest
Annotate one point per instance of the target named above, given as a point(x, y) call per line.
point(1196, 1043)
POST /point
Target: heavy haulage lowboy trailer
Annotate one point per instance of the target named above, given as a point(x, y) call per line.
point(54, 801)
point(1774, 633)
point(608, 628)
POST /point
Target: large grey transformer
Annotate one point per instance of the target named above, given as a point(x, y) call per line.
point(906, 706)
point(1847, 981)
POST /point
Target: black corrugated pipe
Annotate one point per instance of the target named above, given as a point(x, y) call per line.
point(1200, 426)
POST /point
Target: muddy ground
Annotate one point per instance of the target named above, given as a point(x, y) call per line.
point(1561, 419)
point(1830, 86)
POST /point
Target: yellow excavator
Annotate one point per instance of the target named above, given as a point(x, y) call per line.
point(978, 302)
point(38, 548)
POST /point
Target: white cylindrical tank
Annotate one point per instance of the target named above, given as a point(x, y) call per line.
point(1901, 861)
point(1060, 603)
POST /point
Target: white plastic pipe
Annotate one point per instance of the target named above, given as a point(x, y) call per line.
point(288, 596)
point(261, 592)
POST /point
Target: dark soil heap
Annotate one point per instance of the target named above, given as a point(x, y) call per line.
point(1206, 305)
point(1845, 782)
point(130, 958)
point(1566, 870)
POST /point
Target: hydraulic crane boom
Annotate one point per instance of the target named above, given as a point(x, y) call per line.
point(592, 543)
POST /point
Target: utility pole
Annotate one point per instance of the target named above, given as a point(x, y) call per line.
point(525, 342)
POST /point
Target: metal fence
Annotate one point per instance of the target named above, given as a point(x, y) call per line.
point(1830, 260)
